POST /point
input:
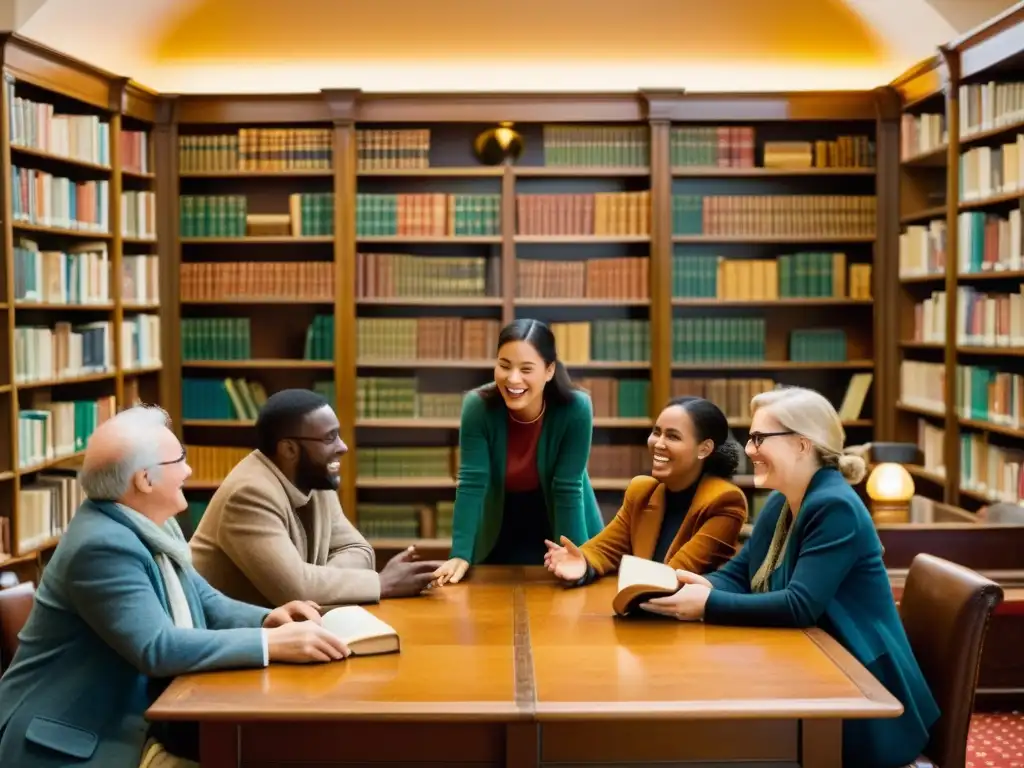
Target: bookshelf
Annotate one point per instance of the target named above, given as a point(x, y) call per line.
point(973, 412)
point(593, 229)
point(921, 275)
point(80, 324)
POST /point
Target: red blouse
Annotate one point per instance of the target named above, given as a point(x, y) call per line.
point(521, 467)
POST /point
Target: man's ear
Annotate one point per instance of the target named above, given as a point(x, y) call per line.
point(142, 481)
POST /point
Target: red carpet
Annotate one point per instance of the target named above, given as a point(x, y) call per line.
point(996, 740)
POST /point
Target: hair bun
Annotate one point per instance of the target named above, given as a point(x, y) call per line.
point(853, 468)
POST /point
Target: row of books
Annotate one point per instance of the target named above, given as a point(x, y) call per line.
point(774, 215)
point(42, 199)
point(991, 319)
point(229, 280)
point(799, 275)
point(426, 338)
point(55, 430)
point(310, 214)
point(430, 214)
point(922, 133)
point(46, 504)
point(257, 149)
point(81, 275)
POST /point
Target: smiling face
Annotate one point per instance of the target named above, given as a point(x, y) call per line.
point(774, 450)
point(158, 491)
point(320, 448)
point(520, 376)
point(677, 453)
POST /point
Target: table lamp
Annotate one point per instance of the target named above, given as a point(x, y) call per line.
point(890, 486)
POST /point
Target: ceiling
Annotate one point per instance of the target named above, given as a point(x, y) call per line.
point(456, 45)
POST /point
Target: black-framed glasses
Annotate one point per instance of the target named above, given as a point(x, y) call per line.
point(174, 461)
point(758, 438)
point(326, 439)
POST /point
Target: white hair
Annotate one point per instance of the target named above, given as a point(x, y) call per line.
point(136, 433)
point(811, 415)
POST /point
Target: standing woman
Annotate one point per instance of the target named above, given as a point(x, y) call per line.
point(815, 560)
point(524, 443)
point(686, 513)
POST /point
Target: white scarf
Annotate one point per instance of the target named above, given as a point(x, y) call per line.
point(170, 549)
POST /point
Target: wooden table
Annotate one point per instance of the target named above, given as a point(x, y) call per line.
point(511, 669)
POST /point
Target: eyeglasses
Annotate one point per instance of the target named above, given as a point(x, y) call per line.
point(326, 439)
point(175, 461)
point(758, 438)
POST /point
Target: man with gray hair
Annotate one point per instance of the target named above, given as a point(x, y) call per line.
point(120, 610)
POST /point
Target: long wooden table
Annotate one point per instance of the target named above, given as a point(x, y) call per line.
point(510, 669)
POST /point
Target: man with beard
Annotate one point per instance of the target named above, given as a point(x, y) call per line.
point(275, 526)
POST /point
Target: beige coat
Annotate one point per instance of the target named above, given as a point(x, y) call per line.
point(263, 541)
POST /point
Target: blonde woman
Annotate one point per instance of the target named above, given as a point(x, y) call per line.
point(814, 560)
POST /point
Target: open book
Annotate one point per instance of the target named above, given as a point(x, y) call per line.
point(361, 631)
point(640, 580)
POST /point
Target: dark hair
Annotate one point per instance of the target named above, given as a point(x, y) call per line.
point(281, 416)
point(560, 389)
point(710, 423)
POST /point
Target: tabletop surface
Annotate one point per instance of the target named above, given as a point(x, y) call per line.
point(509, 643)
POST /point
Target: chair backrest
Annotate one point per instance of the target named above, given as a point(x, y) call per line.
point(15, 606)
point(946, 610)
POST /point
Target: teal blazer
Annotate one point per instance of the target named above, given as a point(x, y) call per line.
point(832, 576)
point(98, 635)
point(562, 456)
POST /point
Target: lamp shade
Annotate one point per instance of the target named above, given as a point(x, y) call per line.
point(890, 483)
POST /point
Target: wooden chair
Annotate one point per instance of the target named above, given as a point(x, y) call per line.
point(946, 609)
point(15, 606)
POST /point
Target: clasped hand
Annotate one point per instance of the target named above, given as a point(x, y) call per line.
point(685, 605)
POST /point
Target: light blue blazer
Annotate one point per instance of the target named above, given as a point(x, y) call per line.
point(99, 632)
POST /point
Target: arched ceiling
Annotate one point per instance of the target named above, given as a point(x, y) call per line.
point(454, 45)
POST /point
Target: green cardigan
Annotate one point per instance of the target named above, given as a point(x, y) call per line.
point(831, 576)
point(562, 455)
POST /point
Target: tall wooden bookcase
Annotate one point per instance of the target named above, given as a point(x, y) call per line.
point(80, 311)
point(432, 252)
point(961, 394)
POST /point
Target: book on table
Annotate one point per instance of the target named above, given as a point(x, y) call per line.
point(364, 633)
point(639, 581)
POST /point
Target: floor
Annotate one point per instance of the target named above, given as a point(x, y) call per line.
point(996, 741)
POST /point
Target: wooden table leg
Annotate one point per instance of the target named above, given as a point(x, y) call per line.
point(821, 743)
point(522, 745)
point(218, 745)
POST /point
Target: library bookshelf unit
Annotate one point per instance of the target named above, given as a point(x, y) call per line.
point(676, 243)
point(965, 384)
point(79, 288)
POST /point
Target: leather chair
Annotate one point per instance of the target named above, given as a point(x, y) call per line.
point(946, 610)
point(15, 606)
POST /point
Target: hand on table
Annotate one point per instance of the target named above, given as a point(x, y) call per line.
point(405, 575)
point(296, 610)
point(685, 605)
point(565, 561)
point(304, 642)
point(451, 572)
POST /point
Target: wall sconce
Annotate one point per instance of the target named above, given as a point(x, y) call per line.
point(495, 146)
point(890, 489)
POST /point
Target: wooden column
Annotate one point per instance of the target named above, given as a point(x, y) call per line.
point(659, 106)
point(117, 99)
point(951, 444)
point(342, 107)
point(885, 270)
point(165, 165)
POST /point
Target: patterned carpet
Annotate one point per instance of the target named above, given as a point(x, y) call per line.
point(996, 741)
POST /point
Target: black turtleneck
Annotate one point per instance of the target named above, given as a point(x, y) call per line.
point(677, 504)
